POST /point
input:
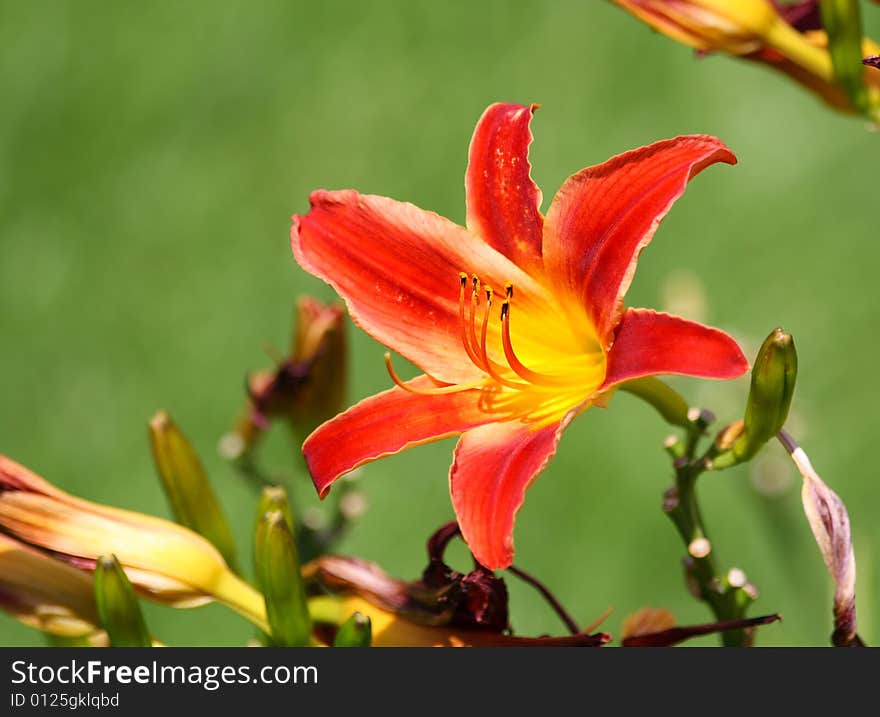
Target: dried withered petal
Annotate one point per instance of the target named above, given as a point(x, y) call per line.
point(803, 16)
point(675, 635)
point(474, 600)
point(829, 521)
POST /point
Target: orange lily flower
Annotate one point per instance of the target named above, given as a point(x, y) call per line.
point(517, 320)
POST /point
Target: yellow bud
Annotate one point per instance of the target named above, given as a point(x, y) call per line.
point(45, 593)
point(757, 31)
point(164, 561)
point(735, 26)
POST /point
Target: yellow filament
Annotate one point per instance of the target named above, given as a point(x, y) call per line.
point(519, 369)
point(439, 391)
point(472, 330)
point(492, 368)
point(469, 349)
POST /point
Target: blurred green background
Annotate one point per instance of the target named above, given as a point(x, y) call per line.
point(151, 155)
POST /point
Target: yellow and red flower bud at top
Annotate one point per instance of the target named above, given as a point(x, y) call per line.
point(786, 37)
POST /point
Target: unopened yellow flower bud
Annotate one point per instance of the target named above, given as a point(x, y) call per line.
point(46, 593)
point(164, 561)
point(734, 26)
point(773, 34)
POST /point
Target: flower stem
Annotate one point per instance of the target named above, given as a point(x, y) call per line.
point(233, 592)
point(727, 598)
point(548, 596)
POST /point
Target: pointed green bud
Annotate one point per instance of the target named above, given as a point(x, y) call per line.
point(274, 497)
point(773, 381)
point(189, 492)
point(118, 606)
point(279, 577)
point(357, 631)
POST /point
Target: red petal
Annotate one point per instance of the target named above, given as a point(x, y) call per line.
point(387, 423)
point(397, 267)
point(503, 203)
point(650, 343)
point(605, 215)
point(494, 465)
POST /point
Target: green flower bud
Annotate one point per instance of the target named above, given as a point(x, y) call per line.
point(189, 492)
point(274, 497)
point(773, 381)
point(279, 577)
point(357, 631)
point(118, 605)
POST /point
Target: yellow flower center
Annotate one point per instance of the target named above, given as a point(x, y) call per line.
point(539, 381)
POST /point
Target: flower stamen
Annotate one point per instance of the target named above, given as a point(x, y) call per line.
point(477, 348)
point(492, 368)
point(441, 389)
point(518, 367)
point(470, 349)
point(475, 299)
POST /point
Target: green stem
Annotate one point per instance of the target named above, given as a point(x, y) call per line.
point(843, 22)
point(727, 602)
